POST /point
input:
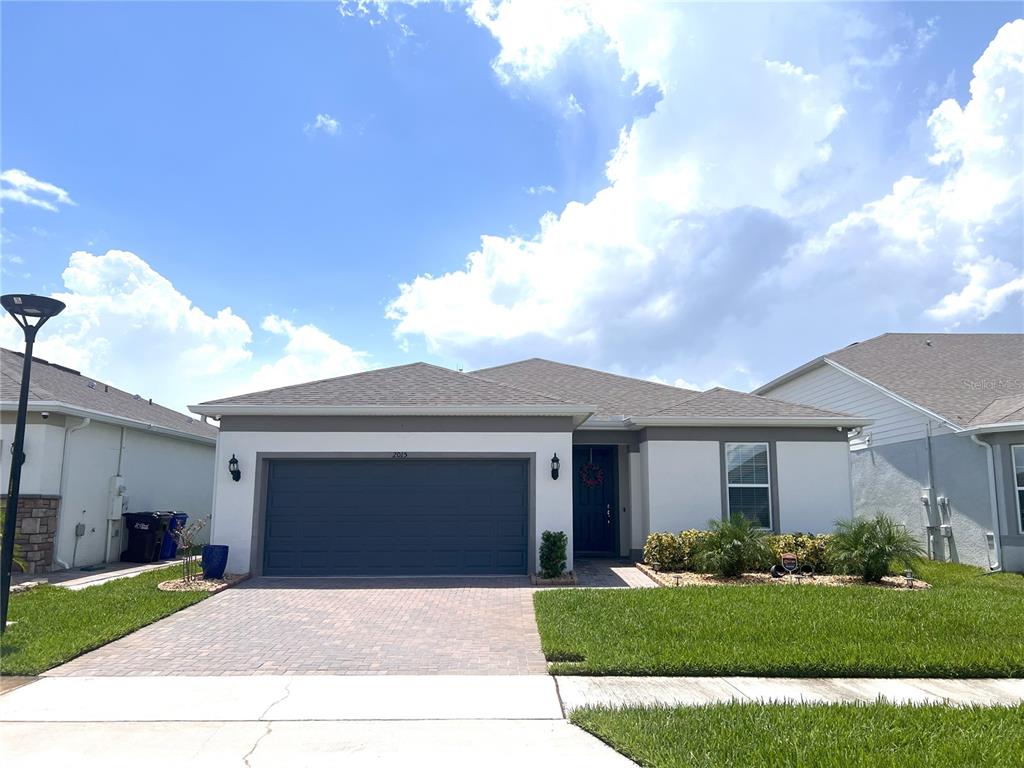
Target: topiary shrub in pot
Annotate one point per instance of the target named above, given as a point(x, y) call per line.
point(869, 547)
point(733, 547)
point(553, 545)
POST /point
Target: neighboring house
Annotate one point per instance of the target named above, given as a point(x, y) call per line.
point(422, 470)
point(945, 454)
point(91, 452)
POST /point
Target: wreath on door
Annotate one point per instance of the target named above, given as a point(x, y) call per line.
point(591, 475)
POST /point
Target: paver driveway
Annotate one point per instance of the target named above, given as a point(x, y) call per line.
point(337, 626)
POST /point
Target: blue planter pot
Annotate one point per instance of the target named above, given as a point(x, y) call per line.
point(215, 560)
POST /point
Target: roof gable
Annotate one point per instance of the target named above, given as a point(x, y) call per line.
point(954, 375)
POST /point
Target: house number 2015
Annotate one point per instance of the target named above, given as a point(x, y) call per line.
point(400, 455)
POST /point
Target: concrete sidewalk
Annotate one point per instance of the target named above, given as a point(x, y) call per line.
point(388, 720)
point(277, 697)
point(579, 692)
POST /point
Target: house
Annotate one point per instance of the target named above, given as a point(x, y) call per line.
point(945, 454)
point(91, 452)
point(421, 470)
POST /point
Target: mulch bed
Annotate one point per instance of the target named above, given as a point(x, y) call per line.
point(690, 579)
point(200, 584)
point(565, 580)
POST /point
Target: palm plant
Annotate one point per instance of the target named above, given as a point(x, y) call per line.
point(733, 547)
point(869, 547)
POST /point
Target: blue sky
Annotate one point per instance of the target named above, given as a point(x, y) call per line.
point(242, 195)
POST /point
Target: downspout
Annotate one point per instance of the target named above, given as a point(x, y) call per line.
point(996, 535)
point(120, 456)
point(63, 463)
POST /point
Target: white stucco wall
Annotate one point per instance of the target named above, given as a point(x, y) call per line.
point(234, 502)
point(160, 473)
point(44, 444)
point(683, 484)
point(814, 485)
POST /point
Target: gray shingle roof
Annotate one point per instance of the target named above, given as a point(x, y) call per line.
point(416, 384)
point(727, 403)
point(535, 382)
point(1002, 410)
point(956, 375)
point(50, 382)
point(615, 396)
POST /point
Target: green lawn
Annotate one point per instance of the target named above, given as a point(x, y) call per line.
point(53, 625)
point(812, 736)
point(967, 625)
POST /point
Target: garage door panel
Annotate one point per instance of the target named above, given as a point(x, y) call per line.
point(380, 517)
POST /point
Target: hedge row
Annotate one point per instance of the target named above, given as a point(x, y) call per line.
point(676, 551)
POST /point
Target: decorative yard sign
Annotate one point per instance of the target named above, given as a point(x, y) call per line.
point(789, 561)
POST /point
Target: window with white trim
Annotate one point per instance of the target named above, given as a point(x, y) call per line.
point(1018, 481)
point(748, 482)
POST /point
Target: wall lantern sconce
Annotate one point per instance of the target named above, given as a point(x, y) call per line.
point(236, 473)
point(555, 463)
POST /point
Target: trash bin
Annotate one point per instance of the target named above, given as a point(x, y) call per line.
point(169, 548)
point(145, 536)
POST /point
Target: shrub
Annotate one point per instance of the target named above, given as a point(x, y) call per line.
point(809, 549)
point(870, 547)
point(731, 548)
point(553, 546)
point(663, 552)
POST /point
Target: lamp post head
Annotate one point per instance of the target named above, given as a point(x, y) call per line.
point(25, 307)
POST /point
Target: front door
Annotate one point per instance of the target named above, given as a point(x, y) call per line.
point(594, 501)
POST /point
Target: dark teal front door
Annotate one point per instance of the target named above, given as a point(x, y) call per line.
point(408, 517)
point(594, 504)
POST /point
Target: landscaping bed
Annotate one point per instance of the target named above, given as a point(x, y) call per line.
point(966, 625)
point(811, 736)
point(691, 579)
point(200, 584)
point(53, 625)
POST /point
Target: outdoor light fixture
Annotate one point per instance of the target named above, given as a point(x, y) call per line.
point(555, 463)
point(30, 312)
point(909, 576)
point(236, 473)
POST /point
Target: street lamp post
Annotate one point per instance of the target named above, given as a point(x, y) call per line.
point(25, 308)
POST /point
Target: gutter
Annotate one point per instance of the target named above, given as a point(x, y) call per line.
point(982, 429)
point(996, 534)
point(87, 413)
point(579, 413)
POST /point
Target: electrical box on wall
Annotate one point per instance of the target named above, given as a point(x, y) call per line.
point(118, 498)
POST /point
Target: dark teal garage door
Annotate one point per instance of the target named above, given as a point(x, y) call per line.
point(403, 517)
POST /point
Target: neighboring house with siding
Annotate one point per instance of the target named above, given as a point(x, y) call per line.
point(420, 470)
point(945, 454)
point(91, 452)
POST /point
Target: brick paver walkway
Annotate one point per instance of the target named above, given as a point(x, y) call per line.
point(336, 626)
point(610, 572)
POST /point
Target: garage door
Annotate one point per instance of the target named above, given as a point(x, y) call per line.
point(395, 517)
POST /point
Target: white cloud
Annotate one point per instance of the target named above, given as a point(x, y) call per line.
point(19, 187)
point(324, 124)
point(309, 354)
point(707, 234)
point(542, 189)
point(127, 324)
point(572, 106)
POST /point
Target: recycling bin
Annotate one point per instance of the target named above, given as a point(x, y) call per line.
point(145, 536)
point(169, 548)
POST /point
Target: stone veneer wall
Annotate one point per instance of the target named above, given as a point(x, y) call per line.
point(37, 526)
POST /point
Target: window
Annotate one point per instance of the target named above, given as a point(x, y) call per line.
point(1018, 474)
point(748, 484)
